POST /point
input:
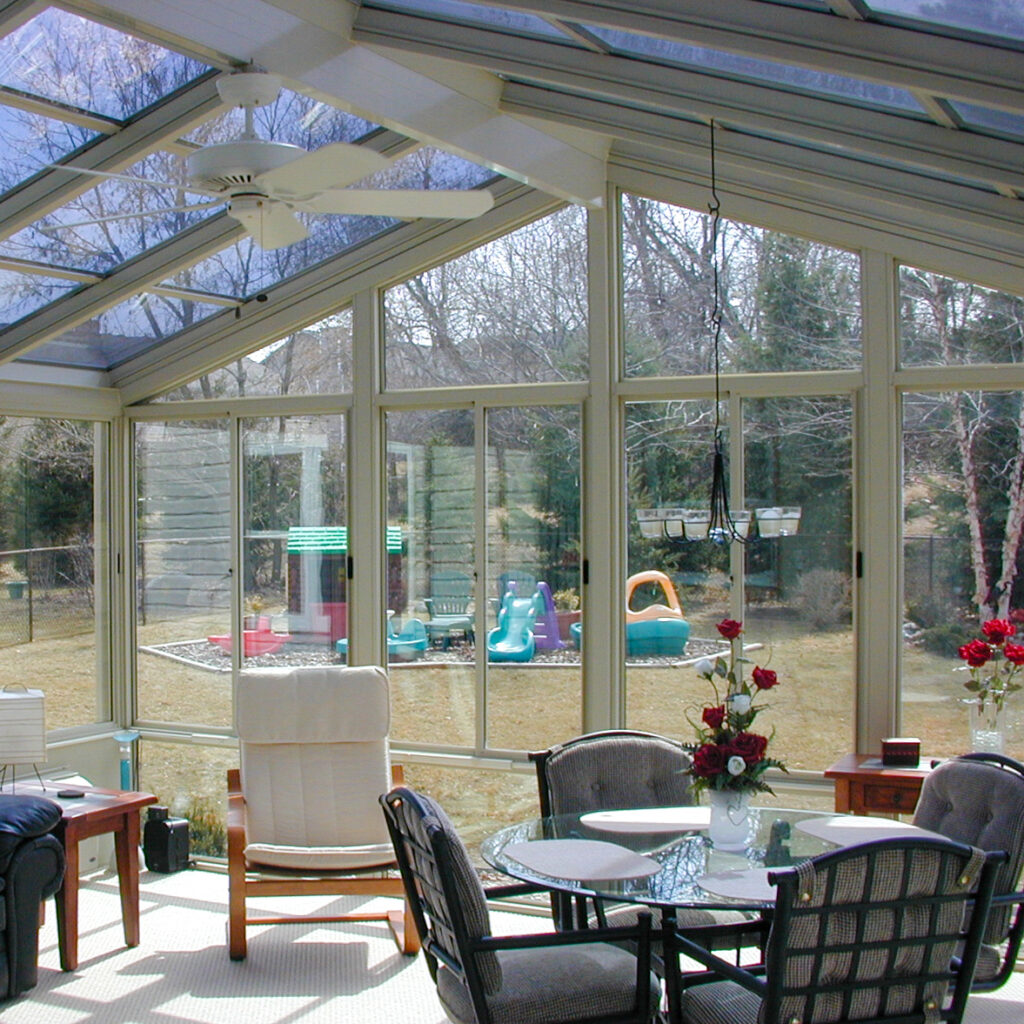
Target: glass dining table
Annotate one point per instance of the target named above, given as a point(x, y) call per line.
point(664, 858)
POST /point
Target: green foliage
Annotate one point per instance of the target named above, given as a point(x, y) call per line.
point(207, 834)
point(945, 640)
point(47, 482)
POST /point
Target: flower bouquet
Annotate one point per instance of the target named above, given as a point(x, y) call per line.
point(727, 755)
point(993, 663)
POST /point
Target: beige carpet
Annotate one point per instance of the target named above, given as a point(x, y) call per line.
point(295, 974)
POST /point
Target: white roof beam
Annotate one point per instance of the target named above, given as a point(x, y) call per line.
point(134, 276)
point(759, 108)
point(750, 160)
point(54, 186)
point(31, 267)
point(307, 297)
point(958, 68)
point(309, 44)
point(57, 111)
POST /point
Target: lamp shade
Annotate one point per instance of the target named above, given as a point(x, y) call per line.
point(22, 725)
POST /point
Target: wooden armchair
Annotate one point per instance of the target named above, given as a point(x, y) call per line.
point(303, 816)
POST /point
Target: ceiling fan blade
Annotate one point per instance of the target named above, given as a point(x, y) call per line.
point(131, 216)
point(332, 166)
point(272, 225)
point(135, 179)
point(406, 204)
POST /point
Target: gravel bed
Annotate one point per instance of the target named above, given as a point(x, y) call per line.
point(211, 657)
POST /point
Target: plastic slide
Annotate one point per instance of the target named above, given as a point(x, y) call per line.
point(512, 639)
point(545, 630)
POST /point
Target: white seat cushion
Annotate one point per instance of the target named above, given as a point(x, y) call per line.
point(316, 859)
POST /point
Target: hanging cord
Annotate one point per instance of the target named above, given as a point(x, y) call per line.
point(722, 528)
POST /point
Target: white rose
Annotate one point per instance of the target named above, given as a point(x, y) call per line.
point(740, 703)
point(705, 666)
point(736, 765)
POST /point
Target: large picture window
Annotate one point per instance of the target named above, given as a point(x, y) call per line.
point(53, 616)
point(786, 303)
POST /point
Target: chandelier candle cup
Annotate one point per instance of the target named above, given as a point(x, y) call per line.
point(729, 760)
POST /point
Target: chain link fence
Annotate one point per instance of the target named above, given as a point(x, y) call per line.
point(46, 592)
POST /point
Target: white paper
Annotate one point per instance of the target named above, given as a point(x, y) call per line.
point(581, 859)
point(850, 829)
point(650, 819)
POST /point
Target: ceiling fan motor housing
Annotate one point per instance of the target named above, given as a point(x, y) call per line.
point(227, 165)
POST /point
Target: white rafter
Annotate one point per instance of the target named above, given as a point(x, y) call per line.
point(888, 55)
point(758, 107)
point(309, 44)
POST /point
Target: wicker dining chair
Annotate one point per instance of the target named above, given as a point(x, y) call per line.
point(979, 799)
point(618, 769)
point(543, 978)
point(865, 933)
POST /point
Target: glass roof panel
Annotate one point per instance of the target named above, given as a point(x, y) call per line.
point(100, 247)
point(61, 56)
point(120, 332)
point(31, 141)
point(987, 119)
point(25, 293)
point(495, 16)
point(1002, 18)
point(785, 75)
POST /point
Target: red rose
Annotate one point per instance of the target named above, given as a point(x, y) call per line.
point(709, 760)
point(997, 630)
point(765, 678)
point(730, 628)
point(1017, 616)
point(750, 746)
point(976, 653)
point(1014, 653)
point(714, 717)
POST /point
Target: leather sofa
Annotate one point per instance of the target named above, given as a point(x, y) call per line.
point(31, 869)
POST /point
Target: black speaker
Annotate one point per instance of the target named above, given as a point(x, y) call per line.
point(165, 841)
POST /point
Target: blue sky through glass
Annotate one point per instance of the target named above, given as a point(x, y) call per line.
point(1000, 18)
point(30, 141)
point(785, 75)
point(63, 57)
point(495, 16)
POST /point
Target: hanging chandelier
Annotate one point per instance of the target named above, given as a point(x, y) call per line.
point(724, 525)
point(718, 523)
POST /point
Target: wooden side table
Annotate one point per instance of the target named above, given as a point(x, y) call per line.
point(864, 786)
point(95, 813)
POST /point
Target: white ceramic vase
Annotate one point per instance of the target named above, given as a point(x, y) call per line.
point(729, 828)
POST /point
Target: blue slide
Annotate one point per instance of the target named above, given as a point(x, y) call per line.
point(512, 639)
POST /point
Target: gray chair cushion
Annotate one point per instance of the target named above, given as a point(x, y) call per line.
point(717, 1002)
point(557, 983)
point(981, 805)
point(617, 771)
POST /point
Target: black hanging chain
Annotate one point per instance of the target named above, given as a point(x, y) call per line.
point(721, 528)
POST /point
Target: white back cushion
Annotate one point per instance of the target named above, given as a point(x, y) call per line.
point(314, 754)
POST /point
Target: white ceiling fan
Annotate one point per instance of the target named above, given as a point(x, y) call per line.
point(265, 184)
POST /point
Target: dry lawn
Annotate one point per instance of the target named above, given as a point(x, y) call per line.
point(526, 707)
